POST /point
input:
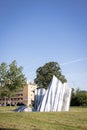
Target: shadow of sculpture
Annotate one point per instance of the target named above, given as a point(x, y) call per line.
point(8, 129)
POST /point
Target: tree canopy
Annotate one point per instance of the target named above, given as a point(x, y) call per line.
point(78, 98)
point(45, 73)
point(11, 78)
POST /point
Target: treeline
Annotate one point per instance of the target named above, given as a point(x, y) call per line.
point(78, 98)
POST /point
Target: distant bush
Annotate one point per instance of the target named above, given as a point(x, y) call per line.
point(20, 104)
point(78, 98)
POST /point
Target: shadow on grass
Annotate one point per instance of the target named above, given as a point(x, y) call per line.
point(8, 129)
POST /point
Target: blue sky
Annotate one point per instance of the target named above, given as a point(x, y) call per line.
point(34, 32)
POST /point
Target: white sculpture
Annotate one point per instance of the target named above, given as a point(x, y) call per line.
point(56, 98)
point(39, 94)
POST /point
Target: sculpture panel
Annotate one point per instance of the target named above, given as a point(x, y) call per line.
point(55, 98)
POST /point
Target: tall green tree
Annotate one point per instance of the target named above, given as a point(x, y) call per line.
point(3, 81)
point(45, 73)
point(11, 79)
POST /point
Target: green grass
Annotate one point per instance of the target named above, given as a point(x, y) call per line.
point(75, 119)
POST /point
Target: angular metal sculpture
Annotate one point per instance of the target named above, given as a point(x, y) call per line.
point(66, 98)
point(39, 94)
point(56, 98)
point(23, 109)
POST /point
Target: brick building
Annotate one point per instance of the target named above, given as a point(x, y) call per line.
point(25, 96)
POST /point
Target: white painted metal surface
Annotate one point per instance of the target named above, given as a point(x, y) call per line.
point(55, 98)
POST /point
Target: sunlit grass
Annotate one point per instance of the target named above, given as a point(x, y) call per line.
point(75, 119)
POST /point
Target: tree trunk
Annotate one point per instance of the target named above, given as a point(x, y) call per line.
point(10, 101)
point(5, 101)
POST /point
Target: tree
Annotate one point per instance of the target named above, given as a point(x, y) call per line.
point(82, 98)
point(11, 79)
point(79, 98)
point(73, 98)
point(45, 73)
point(3, 80)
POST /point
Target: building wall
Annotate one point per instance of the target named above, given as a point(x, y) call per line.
point(28, 93)
point(25, 96)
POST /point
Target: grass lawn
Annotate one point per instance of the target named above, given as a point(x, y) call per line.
point(75, 119)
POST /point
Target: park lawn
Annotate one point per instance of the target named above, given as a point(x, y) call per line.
point(75, 119)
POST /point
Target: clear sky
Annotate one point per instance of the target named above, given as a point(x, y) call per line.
point(34, 32)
